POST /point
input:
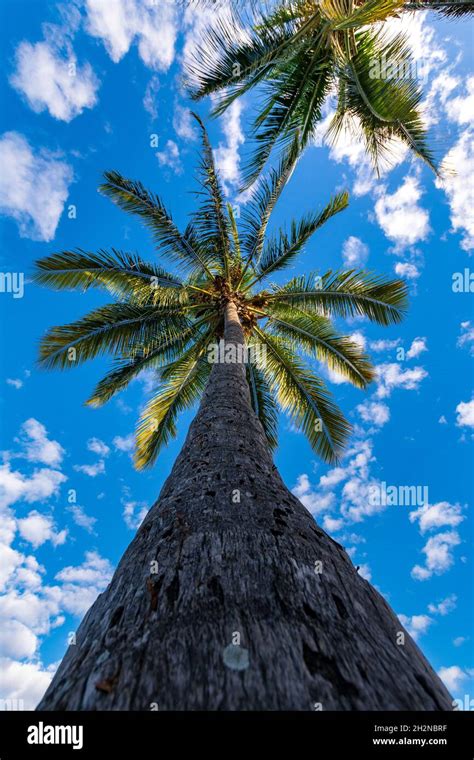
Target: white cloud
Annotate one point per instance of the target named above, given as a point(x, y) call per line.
point(332, 524)
point(416, 625)
point(183, 123)
point(312, 500)
point(431, 516)
point(465, 411)
point(459, 641)
point(461, 109)
point(120, 23)
point(25, 681)
point(124, 443)
point(17, 640)
point(374, 412)
point(439, 557)
point(391, 375)
point(442, 420)
point(354, 252)
point(33, 187)
point(226, 155)
point(48, 80)
point(407, 270)
point(452, 677)
point(15, 383)
point(417, 347)
point(466, 338)
point(83, 583)
point(149, 100)
point(444, 607)
point(400, 216)
point(458, 184)
point(365, 572)
point(170, 157)
point(39, 486)
point(81, 518)
point(384, 345)
point(37, 446)
point(134, 513)
point(38, 528)
point(98, 447)
point(91, 470)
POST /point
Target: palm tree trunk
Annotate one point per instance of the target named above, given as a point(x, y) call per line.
point(219, 602)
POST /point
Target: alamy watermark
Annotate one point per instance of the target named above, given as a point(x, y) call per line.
point(382, 495)
point(236, 353)
point(12, 282)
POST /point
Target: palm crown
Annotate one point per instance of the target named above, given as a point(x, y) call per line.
point(167, 323)
point(304, 51)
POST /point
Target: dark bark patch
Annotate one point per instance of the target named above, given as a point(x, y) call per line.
point(321, 665)
point(172, 592)
point(309, 611)
point(341, 607)
point(116, 616)
point(425, 685)
point(216, 589)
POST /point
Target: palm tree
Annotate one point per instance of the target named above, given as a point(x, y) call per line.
point(305, 52)
point(216, 603)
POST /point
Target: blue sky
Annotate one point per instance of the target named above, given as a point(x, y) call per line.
point(92, 86)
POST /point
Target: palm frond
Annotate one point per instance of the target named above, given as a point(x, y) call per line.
point(345, 294)
point(116, 328)
point(263, 403)
point(316, 336)
point(185, 381)
point(304, 397)
point(280, 251)
point(210, 222)
point(133, 197)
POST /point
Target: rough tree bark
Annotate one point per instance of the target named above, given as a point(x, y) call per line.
point(233, 615)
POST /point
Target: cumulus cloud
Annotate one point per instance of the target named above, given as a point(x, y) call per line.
point(134, 513)
point(465, 412)
point(407, 270)
point(466, 338)
point(48, 80)
point(444, 607)
point(37, 447)
point(399, 215)
point(432, 516)
point(25, 682)
point(354, 252)
point(183, 123)
point(170, 157)
point(457, 183)
point(417, 347)
point(391, 376)
point(91, 470)
point(120, 23)
point(374, 412)
point(124, 443)
point(312, 500)
point(98, 447)
point(38, 528)
point(34, 187)
point(416, 625)
point(226, 155)
point(39, 486)
point(439, 555)
point(452, 677)
point(81, 518)
point(82, 584)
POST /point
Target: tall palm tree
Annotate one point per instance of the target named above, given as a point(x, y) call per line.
point(303, 53)
point(216, 603)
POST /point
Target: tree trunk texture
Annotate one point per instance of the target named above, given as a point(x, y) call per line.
point(227, 604)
